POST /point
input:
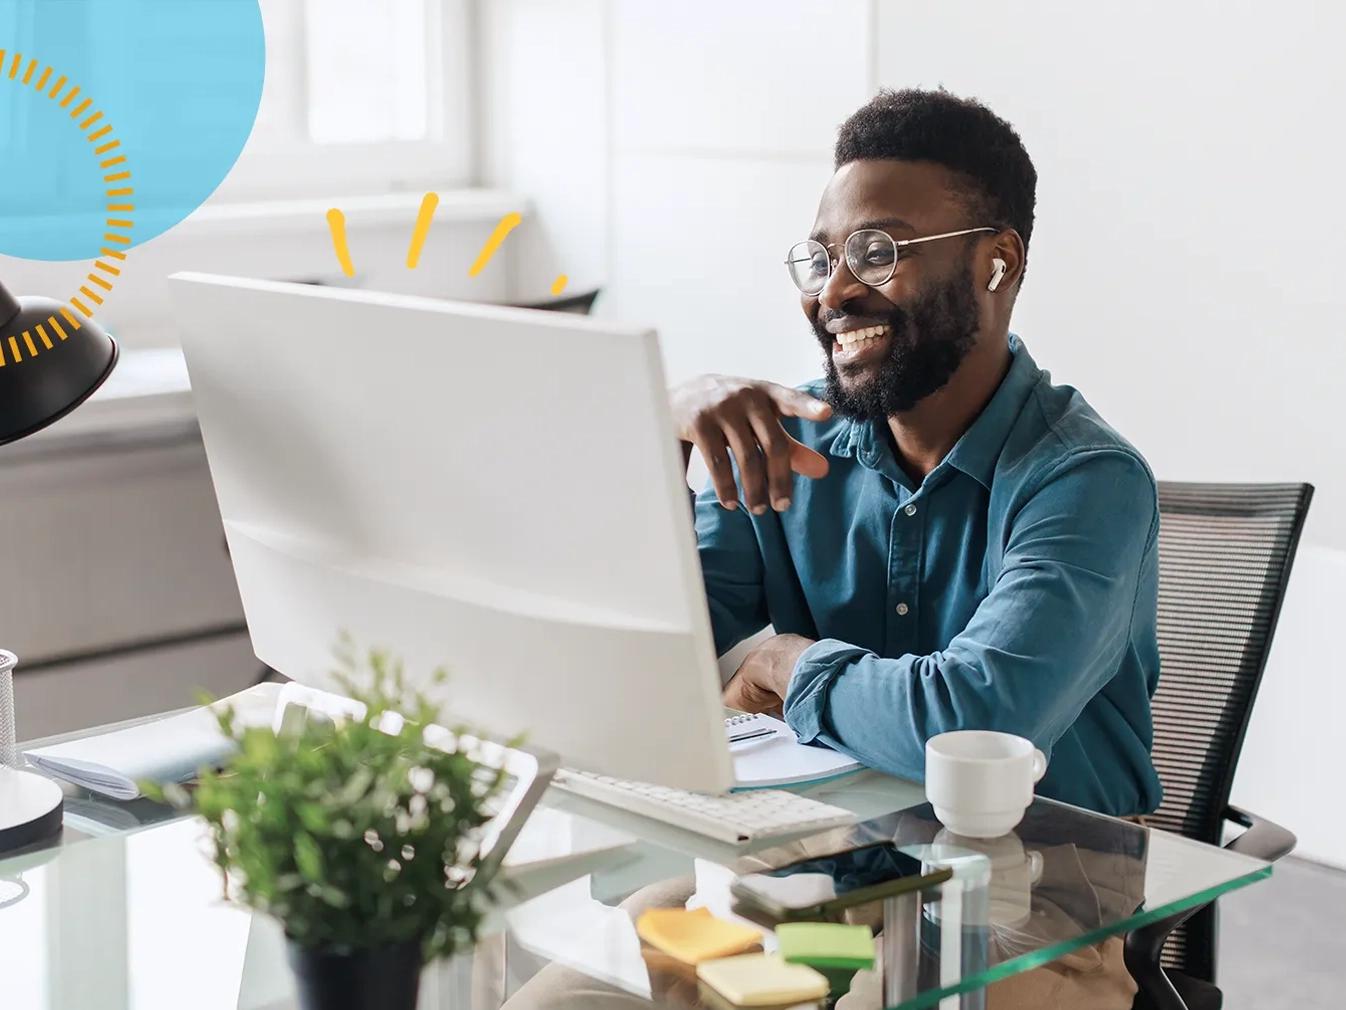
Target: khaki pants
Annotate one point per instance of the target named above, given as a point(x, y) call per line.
point(1093, 977)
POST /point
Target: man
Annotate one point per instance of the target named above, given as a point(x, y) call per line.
point(967, 546)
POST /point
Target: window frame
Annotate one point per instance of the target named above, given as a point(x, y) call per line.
point(278, 166)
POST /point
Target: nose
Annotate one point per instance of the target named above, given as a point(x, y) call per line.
point(841, 287)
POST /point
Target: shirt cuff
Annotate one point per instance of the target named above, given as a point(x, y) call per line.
point(806, 697)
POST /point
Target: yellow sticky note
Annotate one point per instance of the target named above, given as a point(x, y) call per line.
point(762, 980)
point(693, 935)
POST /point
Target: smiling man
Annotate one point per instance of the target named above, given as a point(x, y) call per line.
point(940, 537)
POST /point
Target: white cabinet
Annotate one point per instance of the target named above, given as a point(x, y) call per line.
point(115, 588)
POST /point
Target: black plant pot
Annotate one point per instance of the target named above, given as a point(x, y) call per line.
point(374, 978)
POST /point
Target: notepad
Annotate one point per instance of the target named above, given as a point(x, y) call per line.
point(761, 980)
point(166, 750)
point(694, 935)
point(779, 759)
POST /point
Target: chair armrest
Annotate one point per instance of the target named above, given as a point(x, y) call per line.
point(1143, 947)
point(1264, 839)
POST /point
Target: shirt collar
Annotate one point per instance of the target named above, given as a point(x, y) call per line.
point(976, 452)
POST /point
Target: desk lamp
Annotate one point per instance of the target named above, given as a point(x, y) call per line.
point(50, 363)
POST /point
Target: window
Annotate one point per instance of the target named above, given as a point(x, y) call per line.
point(369, 77)
point(360, 96)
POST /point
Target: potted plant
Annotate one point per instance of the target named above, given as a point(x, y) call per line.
point(357, 835)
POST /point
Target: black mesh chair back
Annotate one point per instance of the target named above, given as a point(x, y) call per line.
point(1225, 552)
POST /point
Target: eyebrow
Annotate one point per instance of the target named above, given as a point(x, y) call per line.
point(881, 222)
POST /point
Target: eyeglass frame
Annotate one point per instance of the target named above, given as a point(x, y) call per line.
point(832, 264)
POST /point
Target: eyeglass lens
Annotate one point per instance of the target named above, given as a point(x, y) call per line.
point(871, 256)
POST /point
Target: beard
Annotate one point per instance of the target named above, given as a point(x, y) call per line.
point(929, 340)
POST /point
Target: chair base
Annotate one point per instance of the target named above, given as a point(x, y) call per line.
point(1196, 993)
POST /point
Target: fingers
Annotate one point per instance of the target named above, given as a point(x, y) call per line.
point(775, 444)
point(743, 694)
point(751, 467)
point(807, 462)
point(722, 415)
point(797, 403)
point(767, 457)
point(709, 440)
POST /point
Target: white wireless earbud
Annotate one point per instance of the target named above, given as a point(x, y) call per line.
point(996, 274)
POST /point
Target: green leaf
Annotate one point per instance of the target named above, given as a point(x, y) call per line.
point(308, 857)
point(312, 816)
point(289, 818)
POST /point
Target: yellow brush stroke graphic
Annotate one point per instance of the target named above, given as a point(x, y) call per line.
point(117, 224)
point(336, 224)
point(507, 224)
point(423, 217)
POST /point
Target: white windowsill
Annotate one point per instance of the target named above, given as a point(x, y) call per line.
point(470, 206)
point(455, 205)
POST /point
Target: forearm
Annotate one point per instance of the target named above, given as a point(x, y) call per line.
point(859, 703)
point(881, 711)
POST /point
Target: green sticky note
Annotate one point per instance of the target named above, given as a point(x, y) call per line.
point(826, 944)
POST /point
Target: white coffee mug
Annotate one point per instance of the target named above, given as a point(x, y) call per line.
point(980, 782)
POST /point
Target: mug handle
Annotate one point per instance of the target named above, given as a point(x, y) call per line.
point(1034, 866)
point(1039, 765)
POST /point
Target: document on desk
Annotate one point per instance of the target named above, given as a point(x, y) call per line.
point(769, 755)
point(166, 750)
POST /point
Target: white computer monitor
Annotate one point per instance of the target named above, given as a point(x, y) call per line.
point(497, 491)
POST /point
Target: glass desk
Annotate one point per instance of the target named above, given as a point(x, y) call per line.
point(124, 911)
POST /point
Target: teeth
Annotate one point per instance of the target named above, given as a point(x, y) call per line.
point(861, 337)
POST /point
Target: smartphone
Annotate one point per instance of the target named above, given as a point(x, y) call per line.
point(822, 886)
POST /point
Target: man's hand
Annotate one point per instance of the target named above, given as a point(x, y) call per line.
point(763, 677)
point(720, 414)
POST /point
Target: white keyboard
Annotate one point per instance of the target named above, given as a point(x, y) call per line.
point(738, 817)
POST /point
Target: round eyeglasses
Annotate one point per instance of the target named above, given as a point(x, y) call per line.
point(871, 255)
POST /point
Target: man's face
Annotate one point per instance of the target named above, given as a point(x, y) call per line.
point(922, 322)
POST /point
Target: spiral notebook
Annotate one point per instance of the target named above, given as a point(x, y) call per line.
point(777, 758)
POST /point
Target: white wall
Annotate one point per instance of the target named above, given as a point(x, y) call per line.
point(544, 133)
point(684, 131)
point(1185, 264)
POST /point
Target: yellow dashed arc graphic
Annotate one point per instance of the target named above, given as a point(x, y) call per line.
point(16, 348)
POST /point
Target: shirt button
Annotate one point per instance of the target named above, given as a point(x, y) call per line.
point(910, 510)
point(902, 609)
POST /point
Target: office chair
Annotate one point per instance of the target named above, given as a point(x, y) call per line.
point(1225, 553)
point(580, 304)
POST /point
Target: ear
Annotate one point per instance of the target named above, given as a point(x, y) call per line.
point(1008, 248)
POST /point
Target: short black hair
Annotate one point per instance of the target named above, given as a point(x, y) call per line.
point(1000, 182)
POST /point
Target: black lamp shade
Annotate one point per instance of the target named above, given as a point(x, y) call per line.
point(42, 380)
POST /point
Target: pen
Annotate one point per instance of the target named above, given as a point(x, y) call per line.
point(752, 735)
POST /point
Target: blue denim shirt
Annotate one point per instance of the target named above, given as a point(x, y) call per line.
point(1014, 589)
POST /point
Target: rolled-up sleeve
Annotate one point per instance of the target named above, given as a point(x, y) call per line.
point(732, 568)
point(1048, 636)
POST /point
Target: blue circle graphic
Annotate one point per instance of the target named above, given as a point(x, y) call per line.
point(175, 83)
